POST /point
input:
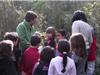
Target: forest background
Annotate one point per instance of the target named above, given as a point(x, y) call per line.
point(50, 13)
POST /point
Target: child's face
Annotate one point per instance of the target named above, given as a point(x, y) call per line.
point(48, 36)
point(59, 36)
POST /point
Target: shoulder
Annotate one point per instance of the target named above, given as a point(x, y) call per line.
point(70, 61)
point(56, 59)
point(77, 22)
point(28, 51)
point(80, 22)
point(20, 25)
point(31, 51)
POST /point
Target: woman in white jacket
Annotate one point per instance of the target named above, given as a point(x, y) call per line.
point(62, 64)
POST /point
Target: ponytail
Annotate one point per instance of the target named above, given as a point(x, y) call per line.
point(63, 48)
point(64, 61)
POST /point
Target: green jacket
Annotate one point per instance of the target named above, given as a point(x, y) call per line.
point(25, 31)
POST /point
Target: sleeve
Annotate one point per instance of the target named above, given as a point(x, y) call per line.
point(21, 32)
point(51, 68)
point(73, 69)
point(75, 27)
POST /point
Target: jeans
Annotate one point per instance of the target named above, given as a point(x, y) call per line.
point(90, 67)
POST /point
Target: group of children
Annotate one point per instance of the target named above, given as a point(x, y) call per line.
point(58, 55)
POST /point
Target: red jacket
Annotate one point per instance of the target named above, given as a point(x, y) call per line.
point(92, 53)
point(29, 59)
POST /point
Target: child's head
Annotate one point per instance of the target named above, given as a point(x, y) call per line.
point(77, 42)
point(6, 48)
point(64, 48)
point(35, 40)
point(61, 34)
point(37, 33)
point(47, 54)
point(13, 36)
point(50, 33)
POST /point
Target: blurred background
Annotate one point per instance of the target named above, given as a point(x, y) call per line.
point(50, 13)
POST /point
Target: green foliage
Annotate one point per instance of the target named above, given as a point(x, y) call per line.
point(55, 13)
point(50, 13)
point(92, 10)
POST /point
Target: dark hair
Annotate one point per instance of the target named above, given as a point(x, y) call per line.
point(30, 15)
point(47, 54)
point(52, 43)
point(6, 47)
point(79, 15)
point(13, 36)
point(52, 31)
point(78, 42)
point(62, 32)
point(35, 40)
point(64, 48)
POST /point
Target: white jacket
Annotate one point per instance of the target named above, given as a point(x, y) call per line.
point(84, 28)
point(56, 67)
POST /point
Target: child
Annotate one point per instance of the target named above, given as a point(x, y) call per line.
point(41, 44)
point(62, 64)
point(79, 55)
point(45, 57)
point(13, 36)
point(50, 37)
point(61, 34)
point(7, 66)
point(31, 55)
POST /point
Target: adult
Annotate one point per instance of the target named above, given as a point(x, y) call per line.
point(80, 25)
point(25, 29)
